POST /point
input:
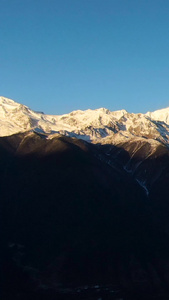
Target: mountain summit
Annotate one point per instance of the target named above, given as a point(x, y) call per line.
point(84, 220)
point(97, 125)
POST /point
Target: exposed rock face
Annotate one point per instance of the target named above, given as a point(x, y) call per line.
point(90, 125)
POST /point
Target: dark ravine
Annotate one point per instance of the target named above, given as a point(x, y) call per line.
point(75, 226)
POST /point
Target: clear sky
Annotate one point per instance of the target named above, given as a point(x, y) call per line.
point(62, 55)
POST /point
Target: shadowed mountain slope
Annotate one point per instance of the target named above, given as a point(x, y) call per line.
point(70, 218)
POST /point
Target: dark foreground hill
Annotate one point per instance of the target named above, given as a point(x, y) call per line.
point(74, 226)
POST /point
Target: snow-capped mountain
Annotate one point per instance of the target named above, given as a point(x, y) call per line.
point(101, 207)
point(98, 125)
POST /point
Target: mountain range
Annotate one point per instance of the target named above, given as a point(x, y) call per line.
point(84, 203)
point(100, 125)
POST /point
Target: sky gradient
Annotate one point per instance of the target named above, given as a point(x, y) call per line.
point(58, 56)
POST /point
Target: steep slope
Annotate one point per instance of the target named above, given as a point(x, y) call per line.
point(146, 160)
point(71, 219)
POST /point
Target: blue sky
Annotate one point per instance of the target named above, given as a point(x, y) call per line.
point(62, 55)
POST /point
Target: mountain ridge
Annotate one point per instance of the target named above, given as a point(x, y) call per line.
point(137, 134)
point(91, 125)
point(79, 213)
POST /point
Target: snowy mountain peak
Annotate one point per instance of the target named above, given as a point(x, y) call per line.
point(11, 103)
point(160, 115)
point(92, 125)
